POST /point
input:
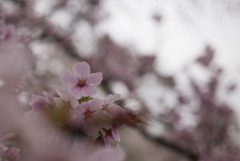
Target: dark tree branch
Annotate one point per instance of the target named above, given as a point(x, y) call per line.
point(171, 146)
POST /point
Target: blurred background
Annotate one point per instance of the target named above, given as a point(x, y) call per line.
point(176, 61)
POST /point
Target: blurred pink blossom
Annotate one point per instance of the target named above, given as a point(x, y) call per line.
point(7, 32)
point(12, 153)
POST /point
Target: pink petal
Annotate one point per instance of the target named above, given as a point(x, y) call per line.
point(88, 91)
point(94, 79)
point(90, 128)
point(116, 110)
point(38, 103)
point(69, 79)
point(81, 70)
point(75, 91)
point(95, 104)
point(116, 134)
point(82, 108)
point(106, 140)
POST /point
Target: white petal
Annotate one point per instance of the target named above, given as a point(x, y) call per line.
point(112, 98)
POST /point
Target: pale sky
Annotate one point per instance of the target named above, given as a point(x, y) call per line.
point(186, 27)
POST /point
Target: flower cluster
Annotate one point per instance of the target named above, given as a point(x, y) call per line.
point(75, 108)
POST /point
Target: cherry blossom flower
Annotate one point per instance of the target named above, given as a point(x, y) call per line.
point(38, 103)
point(82, 83)
point(109, 106)
point(115, 111)
point(85, 116)
point(41, 105)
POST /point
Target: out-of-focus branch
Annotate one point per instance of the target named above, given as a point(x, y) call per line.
point(172, 146)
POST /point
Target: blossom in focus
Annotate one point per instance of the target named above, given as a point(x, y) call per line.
point(82, 83)
point(85, 116)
